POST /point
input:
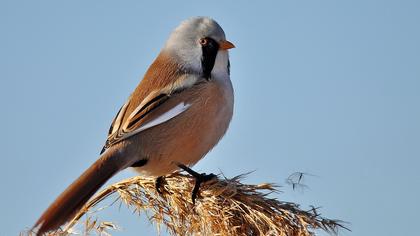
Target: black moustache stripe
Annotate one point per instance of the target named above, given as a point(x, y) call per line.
point(209, 57)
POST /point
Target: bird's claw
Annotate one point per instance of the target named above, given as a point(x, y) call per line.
point(158, 184)
point(199, 179)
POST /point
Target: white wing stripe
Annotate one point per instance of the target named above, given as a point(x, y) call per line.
point(178, 109)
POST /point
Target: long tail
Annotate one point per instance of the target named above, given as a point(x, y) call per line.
point(79, 192)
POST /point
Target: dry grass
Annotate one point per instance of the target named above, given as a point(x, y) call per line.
point(224, 207)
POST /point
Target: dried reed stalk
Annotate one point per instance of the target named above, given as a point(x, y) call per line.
point(224, 207)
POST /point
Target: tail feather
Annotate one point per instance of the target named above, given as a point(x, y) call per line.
point(79, 192)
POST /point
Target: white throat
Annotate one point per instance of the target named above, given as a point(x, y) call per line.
point(220, 69)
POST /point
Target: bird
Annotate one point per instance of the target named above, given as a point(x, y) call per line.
point(179, 111)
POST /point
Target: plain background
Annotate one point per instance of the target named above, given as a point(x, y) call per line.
point(330, 88)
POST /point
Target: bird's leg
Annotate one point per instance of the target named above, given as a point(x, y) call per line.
point(158, 184)
point(199, 178)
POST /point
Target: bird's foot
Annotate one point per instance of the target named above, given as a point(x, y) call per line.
point(160, 183)
point(199, 179)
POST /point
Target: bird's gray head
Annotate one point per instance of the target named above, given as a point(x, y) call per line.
point(199, 44)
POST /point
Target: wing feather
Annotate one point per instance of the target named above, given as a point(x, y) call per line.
point(173, 112)
point(137, 121)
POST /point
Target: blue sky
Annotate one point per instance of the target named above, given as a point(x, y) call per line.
point(325, 87)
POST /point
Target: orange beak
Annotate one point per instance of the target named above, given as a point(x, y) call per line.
point(225, 45)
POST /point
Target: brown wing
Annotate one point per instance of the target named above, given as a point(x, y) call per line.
point(150, 93)
point(119, 130)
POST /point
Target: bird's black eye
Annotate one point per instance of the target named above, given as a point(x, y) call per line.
point(204, 41)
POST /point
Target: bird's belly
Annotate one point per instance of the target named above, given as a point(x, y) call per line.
point(188, 137)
